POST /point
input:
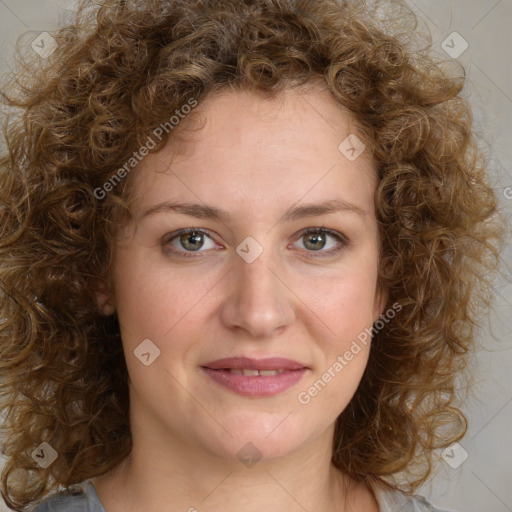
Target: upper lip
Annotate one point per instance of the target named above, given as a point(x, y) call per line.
point(246, 363)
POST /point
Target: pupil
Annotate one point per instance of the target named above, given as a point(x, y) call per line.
point(191, 238)
point(315, 237)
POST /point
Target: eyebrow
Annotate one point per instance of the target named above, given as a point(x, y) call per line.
point(202, 211)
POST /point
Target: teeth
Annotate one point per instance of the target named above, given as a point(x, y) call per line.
point(251, 373)
point(256, 373)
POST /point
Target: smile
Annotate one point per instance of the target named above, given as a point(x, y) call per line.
point(255, 377)
point(255, 373)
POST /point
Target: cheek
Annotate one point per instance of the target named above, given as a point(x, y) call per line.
point(343, 335)
point(150, 307)
point(154, 303)
point(343, 303)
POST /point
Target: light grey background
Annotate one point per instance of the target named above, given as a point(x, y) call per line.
point(484, 480)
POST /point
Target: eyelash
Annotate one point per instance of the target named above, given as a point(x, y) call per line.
point(343, 241)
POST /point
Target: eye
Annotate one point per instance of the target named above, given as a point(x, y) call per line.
point(187, 241)
point(316, 239)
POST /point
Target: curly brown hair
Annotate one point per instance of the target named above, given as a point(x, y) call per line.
point(117, 72)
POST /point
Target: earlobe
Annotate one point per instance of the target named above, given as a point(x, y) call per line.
point(104, 300)
point(381, 299)
point(381, 295)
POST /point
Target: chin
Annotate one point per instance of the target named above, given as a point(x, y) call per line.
point(257, 437)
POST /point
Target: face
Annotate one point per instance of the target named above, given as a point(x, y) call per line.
point(269, 270)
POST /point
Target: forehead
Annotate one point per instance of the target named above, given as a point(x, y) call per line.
point(243, 146)
point(242, 118)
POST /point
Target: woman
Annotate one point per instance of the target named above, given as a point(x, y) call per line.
point(242, 250)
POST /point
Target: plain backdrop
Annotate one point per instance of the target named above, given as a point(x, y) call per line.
point(483, 482)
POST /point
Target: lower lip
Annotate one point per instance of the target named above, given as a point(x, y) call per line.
point(262, 385)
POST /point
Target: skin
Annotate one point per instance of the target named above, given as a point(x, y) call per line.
point(254, 157)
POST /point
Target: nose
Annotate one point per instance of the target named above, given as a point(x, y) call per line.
point(258, 300)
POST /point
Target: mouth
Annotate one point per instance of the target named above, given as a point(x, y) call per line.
point(251, 373)
point(255, 377)
point(246, 364)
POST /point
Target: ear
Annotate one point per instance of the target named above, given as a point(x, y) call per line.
point(381, 299)
point(104, 299)
point(381, 294)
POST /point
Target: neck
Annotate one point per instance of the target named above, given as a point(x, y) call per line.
point(151, 478)
point(169, 470)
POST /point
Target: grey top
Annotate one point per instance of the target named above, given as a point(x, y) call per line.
point(389, 501)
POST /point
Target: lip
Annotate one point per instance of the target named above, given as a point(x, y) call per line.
point(257, 386)
point(241, 363)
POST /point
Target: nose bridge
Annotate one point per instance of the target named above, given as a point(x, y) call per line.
point(258, 301)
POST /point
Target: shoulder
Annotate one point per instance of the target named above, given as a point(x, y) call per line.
point(420, 504)
point(64, 503)
point(81, 501)
point(391, 500)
